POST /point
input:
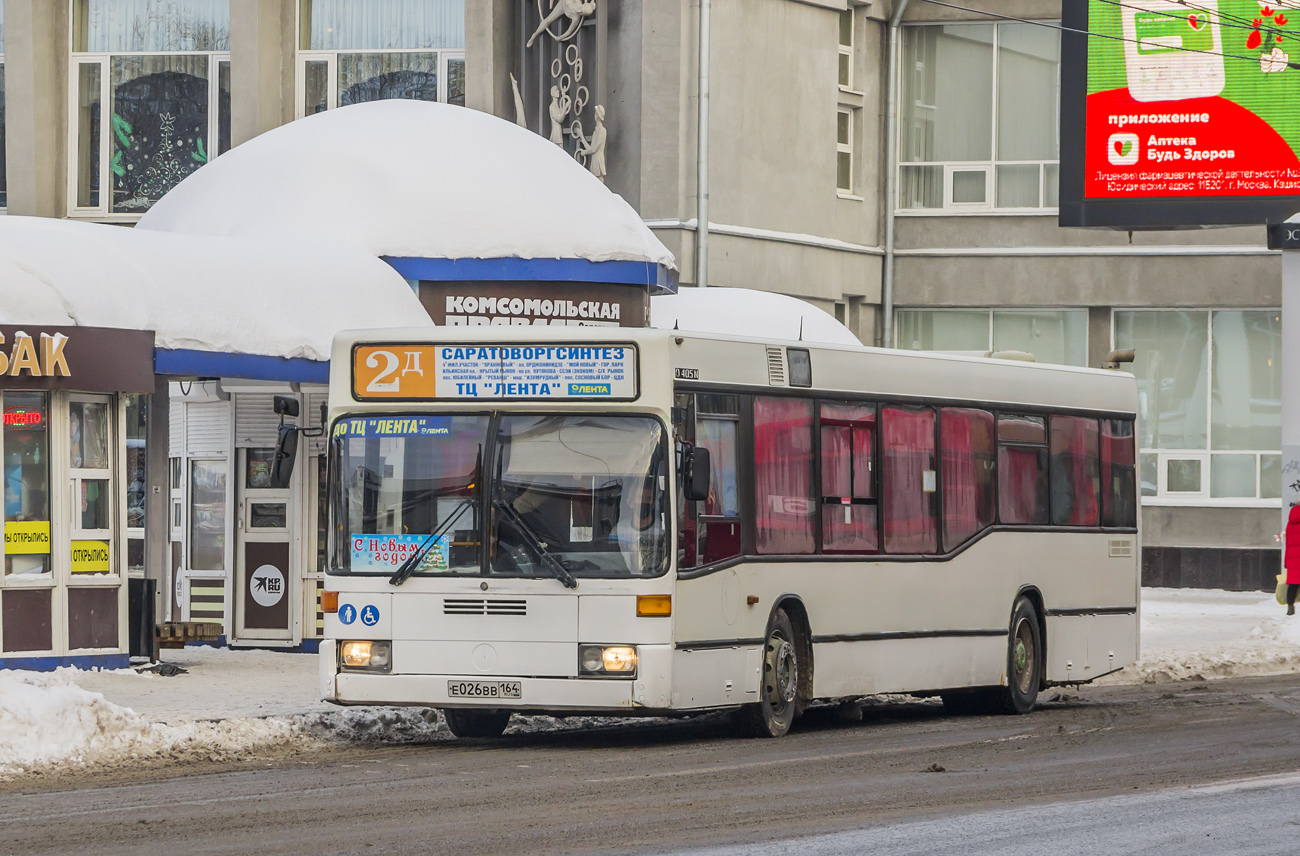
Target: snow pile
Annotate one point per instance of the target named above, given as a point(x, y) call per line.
point(47, 720)
point(411, 179)
point(60, 272)
point(749, 313)
point(1191, 633)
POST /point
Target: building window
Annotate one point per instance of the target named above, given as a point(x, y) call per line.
point(1209, 402)
point(846, 49)
point(978, 128)
point(208, 515)
point(844, 151)
point(1058, 336)
point(162, 69)
point(353, 51)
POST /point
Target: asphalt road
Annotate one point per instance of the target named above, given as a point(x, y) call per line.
point(1102, 770)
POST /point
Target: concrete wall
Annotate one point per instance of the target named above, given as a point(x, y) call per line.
point(36, 115)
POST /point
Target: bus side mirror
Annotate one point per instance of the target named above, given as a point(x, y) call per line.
point(286, 451)
point(286, 405)
point(697, 476)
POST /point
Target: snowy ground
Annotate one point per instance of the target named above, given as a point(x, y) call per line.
point(228, 704)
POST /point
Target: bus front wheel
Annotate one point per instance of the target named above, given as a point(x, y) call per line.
point(477, 723)
point(778, 688)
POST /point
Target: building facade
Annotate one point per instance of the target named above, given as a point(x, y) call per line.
point(893, 163)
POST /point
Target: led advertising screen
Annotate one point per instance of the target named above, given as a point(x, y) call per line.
point(1180, 112)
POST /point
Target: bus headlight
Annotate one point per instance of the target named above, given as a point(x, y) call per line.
point(365, 654)
point(607, 660)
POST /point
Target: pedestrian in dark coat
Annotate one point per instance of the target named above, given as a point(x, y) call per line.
point(1291, 558)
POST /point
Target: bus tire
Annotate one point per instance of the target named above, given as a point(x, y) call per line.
point(477, 723)
point(1024, 661)
point(778, 687)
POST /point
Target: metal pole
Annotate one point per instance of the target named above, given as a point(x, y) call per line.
point(891, 176)
point(702, 155)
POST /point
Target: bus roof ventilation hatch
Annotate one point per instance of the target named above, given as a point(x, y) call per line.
point(1022, 356)
point(775, 366)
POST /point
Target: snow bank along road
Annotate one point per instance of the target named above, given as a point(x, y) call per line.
point(667, 787)
point(233, 704)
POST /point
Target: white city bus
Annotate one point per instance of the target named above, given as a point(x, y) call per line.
point(648, 522)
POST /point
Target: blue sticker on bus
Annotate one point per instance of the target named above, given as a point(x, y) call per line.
point(347, 613)
point(369, 615)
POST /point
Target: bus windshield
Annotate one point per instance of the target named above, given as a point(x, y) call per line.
point(586, 491)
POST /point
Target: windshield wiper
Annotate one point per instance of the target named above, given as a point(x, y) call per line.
point(538, 545)
point(413, 561)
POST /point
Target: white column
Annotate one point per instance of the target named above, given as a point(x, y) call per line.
point(1290, 376)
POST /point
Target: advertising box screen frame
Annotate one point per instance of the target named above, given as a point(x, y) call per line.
point(1147, 212)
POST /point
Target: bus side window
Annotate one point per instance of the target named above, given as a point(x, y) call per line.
point(848, 515)
point(684, 429)
point(1022, 470)
point(783, 490)
point(1075, 472)
point(908, 481)
point(1118, 476)
point(968, 484)
point(720, 513)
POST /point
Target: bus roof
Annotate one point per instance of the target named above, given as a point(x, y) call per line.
point(711, 359)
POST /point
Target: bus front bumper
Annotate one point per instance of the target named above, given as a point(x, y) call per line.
point(649, 689)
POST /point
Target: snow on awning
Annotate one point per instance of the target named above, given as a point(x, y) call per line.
point(412, 180)
point(235, 307)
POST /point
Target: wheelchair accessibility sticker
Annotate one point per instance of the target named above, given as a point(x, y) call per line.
point(369, 615)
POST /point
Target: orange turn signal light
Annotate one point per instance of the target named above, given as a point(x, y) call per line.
point(658, 605)
point(329, 601)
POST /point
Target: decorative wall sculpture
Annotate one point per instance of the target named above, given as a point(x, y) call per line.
point(559, 69)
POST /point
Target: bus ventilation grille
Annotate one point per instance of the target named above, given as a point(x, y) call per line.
point(1121, 548)
point(483, 606)
point(775, 367)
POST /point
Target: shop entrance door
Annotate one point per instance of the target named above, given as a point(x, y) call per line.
point(265, 588)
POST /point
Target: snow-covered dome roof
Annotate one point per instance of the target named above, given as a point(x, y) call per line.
point(217, 295)
point(746, 312)
point(411, 179)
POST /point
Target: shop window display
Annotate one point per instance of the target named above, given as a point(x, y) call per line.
point(26, 451)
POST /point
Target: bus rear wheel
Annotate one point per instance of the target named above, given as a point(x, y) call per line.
point(477, 723)
point(778, 688)
point(1024, 661)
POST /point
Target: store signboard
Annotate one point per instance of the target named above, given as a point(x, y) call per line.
point(1179, 113)
point(481, 372)
point(87, 359)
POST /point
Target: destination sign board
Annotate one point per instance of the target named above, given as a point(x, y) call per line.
point(482, 372)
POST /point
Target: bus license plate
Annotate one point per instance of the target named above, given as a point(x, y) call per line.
point(484, 689)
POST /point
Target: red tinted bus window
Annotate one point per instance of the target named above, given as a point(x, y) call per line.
point(968, 484)
point(1022, 484)
point(1076, 473)
point(784, 503)
point(908, 480)
point(848, 514)
point(1118, 477)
